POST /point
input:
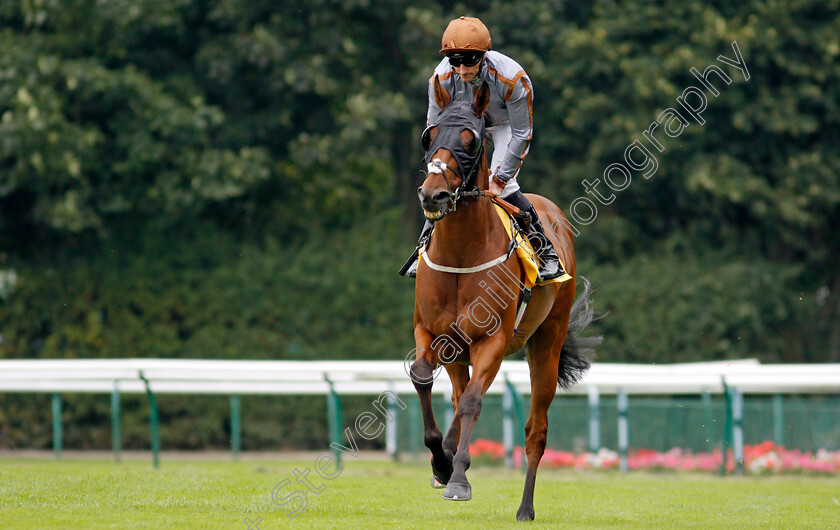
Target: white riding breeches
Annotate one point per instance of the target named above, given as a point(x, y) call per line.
point(501, 137)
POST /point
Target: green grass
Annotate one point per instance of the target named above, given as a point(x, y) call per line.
point(204, 494)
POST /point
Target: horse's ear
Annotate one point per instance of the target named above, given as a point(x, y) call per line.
point(442, 97)
point(481, 100)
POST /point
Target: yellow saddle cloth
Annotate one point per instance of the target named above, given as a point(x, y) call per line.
point(526, 253)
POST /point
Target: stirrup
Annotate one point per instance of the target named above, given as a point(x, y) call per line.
point(409, 268)
point(549, 268)
point(549, 261)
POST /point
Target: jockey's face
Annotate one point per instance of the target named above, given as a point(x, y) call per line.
point(468, 73)
point(466, 64)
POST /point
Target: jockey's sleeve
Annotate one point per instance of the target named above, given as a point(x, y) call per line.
point(520, 105)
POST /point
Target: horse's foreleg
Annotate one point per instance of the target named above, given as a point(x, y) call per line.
point(486, 362)
point(422, 375)
point(543, 361)
point(459, 375)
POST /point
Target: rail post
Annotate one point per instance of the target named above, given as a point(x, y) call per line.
point(518, 410)
point(116, 435)
point(623, 429)
point(56, 417)
point(154, 423)
point(391, 426)
point(594, 419)
point(706, 398)
point(738, 430)
point(448, 410)
point(235, 426)
point(507, 425)
point(727, 427)
point(778, 419)
point(334, 419)
point(414, 427)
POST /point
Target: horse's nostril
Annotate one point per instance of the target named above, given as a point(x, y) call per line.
point(441, 196)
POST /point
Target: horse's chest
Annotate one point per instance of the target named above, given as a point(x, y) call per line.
point(465, 318)
point(438, 312)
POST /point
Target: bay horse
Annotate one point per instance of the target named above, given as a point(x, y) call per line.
point(462, 314)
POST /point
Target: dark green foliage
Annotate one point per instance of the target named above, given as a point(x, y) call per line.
point(202, 295)
point(232, 179)
point(688, 307)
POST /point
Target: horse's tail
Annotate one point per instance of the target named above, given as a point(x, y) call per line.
point(578, 352)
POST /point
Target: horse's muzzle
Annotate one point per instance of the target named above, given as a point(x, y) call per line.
point(435, 203)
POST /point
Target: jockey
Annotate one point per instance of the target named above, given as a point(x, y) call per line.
point(468, 63)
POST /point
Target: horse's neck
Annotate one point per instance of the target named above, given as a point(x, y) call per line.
point(469, 234)
point(483, 179)
point(471, 218)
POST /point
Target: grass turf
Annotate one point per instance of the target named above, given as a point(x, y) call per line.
point(368, 494)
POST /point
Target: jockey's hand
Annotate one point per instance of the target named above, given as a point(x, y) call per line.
point(496, 185)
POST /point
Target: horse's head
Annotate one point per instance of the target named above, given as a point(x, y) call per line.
point(454, 151)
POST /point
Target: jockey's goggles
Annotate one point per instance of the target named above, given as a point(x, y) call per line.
point(466, 58)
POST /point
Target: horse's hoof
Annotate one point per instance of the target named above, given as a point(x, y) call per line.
point(525, 513)
point(437, 485)
point(441, 477)
point(457, 492)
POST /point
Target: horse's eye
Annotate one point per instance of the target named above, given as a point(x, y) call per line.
point(472, 144)
point(426, 138)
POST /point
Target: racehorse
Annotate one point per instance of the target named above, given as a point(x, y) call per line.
point(464, 313)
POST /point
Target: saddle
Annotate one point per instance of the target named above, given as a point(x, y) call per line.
point(510, 216)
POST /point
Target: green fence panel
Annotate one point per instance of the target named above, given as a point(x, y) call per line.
point(661, 423)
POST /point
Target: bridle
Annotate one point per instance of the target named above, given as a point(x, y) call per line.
point(467, 188)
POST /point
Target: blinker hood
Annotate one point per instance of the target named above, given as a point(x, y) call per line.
point(453, 119)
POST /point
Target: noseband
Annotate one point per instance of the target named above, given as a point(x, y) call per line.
point(467, 188)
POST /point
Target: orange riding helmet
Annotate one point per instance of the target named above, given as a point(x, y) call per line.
point(465, 34)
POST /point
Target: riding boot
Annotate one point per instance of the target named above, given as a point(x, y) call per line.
point(549, 262)
point(409, 269)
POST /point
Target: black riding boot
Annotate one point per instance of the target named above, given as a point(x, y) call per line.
point(549, 262)
point(410, 267)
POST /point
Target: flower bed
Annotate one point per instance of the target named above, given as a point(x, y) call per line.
point(763, 458)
